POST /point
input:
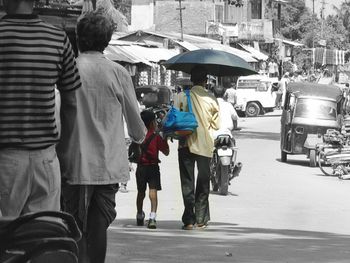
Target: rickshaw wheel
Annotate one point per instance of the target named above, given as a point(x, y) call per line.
point(283, 157)
point(313, 158)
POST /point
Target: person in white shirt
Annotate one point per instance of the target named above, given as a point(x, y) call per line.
point(283, 84)
point(271, 68)
point(228, 114)
point(230, 95)
point(95, 161)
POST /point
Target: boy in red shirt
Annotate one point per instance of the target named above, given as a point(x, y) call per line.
point(147, 171)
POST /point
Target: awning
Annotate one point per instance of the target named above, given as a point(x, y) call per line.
point(243, 54)
point(289, 42)
point(255, 53)
point(186, 45)
point(151, 54)
point(113, 53)
point(134, 54)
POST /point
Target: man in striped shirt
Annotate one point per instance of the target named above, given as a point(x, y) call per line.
point(34, 58)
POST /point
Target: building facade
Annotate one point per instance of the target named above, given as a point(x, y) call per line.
point(215, 18)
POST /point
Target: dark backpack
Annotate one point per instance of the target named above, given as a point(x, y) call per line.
point(136, 149)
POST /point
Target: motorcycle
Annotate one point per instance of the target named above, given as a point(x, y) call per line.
point(334, 154)
point(223, 166)
point(160, 112)
point(46, 236)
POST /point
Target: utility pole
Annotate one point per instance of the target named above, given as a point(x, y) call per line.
point(322, 16)
point(313, 30)
point(181, 26)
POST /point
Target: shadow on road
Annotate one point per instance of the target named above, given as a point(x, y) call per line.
point(229, 193)
point(222, 242)
point(305, 163)
point(257, 135)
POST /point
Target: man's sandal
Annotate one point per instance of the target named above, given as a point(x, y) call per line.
point(188, 227)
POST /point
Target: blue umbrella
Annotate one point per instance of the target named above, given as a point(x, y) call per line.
point(216, 62)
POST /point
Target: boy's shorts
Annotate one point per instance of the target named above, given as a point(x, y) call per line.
point(148, 174)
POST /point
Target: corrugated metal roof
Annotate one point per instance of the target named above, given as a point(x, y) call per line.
point(187, 45)
point(114, 54)
point(289, 42)
point(134, 54)
point(244, 55)
point(192, 43)
point(255, 53)
point(149, 53)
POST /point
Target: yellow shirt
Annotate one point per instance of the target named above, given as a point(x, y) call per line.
point(206, 109)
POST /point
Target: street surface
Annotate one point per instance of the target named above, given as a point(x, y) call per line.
point(275, 212)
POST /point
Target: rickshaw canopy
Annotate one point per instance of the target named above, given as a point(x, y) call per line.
point(313, 89)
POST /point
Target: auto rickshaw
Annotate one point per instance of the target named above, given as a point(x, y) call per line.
point(156, 98)
point(153, 95)
point(309, 110)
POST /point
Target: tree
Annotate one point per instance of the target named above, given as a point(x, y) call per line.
point(291, 17)
point(299, 24)
point(237, 3)
point(335, 33)
point(343, 13)
point(107, 8)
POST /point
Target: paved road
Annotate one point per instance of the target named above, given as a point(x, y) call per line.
point(275, 212)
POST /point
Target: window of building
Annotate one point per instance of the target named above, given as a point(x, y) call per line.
point(219, 13)
point(256, 7)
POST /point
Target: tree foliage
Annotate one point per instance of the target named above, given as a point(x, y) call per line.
point(299, 24)
point(237, 3)
point(343, 14)
point(295, 19)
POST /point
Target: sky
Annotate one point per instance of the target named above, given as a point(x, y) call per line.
point(329, 10)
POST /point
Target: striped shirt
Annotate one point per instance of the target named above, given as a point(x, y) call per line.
point(34, 58)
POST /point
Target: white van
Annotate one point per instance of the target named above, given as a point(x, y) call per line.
point(255, 95)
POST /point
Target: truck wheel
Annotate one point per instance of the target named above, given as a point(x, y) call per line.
point(313, 158)
point(252, 109)
point(283, 157)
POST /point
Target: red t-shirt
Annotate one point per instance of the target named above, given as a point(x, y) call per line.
point(157, 144)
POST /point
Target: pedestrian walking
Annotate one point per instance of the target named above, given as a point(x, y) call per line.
point(228, 114)
point(34, 58)
point(197, 148)
point(96, 161)
point(271, 68)
point(230, 94)
point(279, 94)
point(283, 84)
point(147, 171)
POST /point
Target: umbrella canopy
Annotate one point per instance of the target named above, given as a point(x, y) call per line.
point(216, 62)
